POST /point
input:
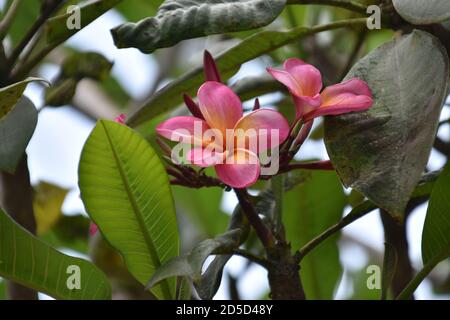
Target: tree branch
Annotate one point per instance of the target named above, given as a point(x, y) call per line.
point(357, 212)
point(395, 234)
point(345, 4)
point(264, 234)
point(8, 18)
point(17, 200)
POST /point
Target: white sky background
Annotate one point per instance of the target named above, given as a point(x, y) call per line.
point(56, 146)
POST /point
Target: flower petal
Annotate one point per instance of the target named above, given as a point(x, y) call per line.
point(307, 77)
point(188, 129)
point(352, 95)
point(286, 79)
point(354, 86)
point(264, 122)
point(241, 170)
point(204, 157)
point(210, 68)
point(220, 106)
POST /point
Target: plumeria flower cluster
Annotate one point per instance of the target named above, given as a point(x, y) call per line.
point(236, 156)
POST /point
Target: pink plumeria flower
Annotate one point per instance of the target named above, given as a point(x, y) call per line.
point(121, 118)
point(93, 229)
point(221, 111)
point(304, 82)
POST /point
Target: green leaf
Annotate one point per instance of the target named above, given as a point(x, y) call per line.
point(139, 10)
point(250, 87)
point(436, 230)
point(69, 232)
point(88, 64)
point(206, 215)
point(56, 30)
point(209, 282)
point(179, 20)
point(309, 209)
point(423, 12)
point(382, 152)
point(16, 130)
point(125, 190)
point(228, 63)
point(190, 265)
point(11, 94)
point(61, 93)
point(389, 269)
point(32, 263)
point(47, 202)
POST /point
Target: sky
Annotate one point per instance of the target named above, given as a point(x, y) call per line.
point(59, 137)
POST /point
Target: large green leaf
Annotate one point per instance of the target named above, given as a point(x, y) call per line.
point(228, 63)
point(16, 130)
point(436, 230)
point(423, 12)
point(32, 263)
point(382, 152)
point(308, 210)
point(125, 190)
point(11, 94)
point(178, 20)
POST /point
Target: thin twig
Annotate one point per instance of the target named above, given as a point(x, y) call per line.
point(417, 280)
point(357, 212)
point(251, 257)
point(345, 4)
point(318, 165)
point(46, 13)
point(8, 18)
point(359, 43)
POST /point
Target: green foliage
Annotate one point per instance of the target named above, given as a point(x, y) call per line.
point(382, 152)
point(14, 138)
point(10, 95)
point(206, 215)
point(209, 282)
point(174, 21)
point(126, 192)
point(47, 202)
point(308, 210)
point(56, 30)
point(191, 264)
point(76, 66)
point(139, 10)
point(29, 261)
point(69, 232)
point(435, 239)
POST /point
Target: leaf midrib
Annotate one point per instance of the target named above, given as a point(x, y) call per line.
point(136, 210)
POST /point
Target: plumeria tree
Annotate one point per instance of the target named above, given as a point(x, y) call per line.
point(368, 78)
